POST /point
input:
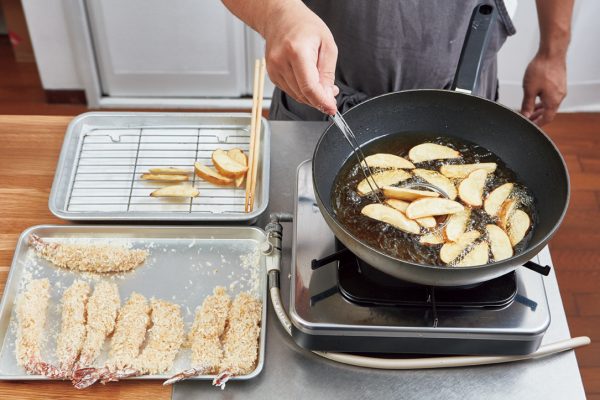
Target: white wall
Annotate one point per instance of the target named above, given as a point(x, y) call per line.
point(56, 62)
point(51, 43)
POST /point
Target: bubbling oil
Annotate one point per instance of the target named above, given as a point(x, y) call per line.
point(347, 203)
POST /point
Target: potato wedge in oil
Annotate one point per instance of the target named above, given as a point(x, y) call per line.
point(391, 216)
point(493, 202)
point(463, 170)
point(451, 250)
point(430, 207)
point(499, 242)
point(518, 225)
point(388, 161)
point(438, 180)
point(382, 178)
point(431, 151)
point(457, 224)
point(478, 255)
point(407, 194)
point(470, 190)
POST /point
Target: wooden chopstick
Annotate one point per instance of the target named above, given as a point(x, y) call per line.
point(261, 89)
point(252, 156)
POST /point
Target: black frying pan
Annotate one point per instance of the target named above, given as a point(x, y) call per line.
point(518, 142)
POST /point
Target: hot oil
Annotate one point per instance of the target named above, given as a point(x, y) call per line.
point(347, 204)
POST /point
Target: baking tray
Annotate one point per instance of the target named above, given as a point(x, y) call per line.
point(104, 153)
point(184, 265)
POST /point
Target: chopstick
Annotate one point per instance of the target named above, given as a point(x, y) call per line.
point(255, 132)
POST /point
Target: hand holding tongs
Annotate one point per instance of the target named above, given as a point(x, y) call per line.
point(341, 123)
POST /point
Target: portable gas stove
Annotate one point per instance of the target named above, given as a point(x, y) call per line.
point(339, 303)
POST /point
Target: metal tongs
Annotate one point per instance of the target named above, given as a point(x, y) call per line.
point(341, 123)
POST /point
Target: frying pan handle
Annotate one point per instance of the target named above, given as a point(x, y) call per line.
point(540, 269)
point(471, 55)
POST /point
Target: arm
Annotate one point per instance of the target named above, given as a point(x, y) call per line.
point(301, 53)
point(546, 75)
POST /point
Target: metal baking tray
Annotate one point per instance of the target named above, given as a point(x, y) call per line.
point(184, 265)
point(104, 153)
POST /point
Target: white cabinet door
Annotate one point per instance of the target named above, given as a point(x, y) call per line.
point(176, 48)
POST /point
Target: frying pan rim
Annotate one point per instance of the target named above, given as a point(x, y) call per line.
point(529, 247)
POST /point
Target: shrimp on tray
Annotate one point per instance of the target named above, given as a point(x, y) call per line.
point(129, 335)
point(240, 340)
point(31, 309)
point(204, 337)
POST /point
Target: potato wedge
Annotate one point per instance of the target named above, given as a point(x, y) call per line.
point(226, 165)
point(176, 191)
point(383, 178)
point(391, 216)
point(406, 193)
point(429, 207)
point(518, 225)
point(431, 151)
point(496, 198)
point(470, 190)
point(438, 180)
point(478, 255)
point(400, 205)
point(457, 224)
point(431, 239)
point(211, 175)
point(451, 250)
point(384, 160)
point(506, 211)
point(169, 171)
point(238, 156)
point(499, 242)
point(164, 177)
point(463, 170)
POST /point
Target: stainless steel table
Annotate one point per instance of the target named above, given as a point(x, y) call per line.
point(294, 373)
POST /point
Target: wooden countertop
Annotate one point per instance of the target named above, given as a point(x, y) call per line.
point(29, 149)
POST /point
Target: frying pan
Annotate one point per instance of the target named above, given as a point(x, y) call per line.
point(418, 116)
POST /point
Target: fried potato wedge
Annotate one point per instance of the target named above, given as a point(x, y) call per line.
point(493, 202)
point(165, 177)
point(470, 190)
point(438, 180)
point(430, 207)
point(478, 255)
point(457, 224)
point(238, 156)
point(431, 151)
point(506, 211)
point(384, 160)
point(400, 205)
point(499, 242)
point(451, 250)
point(227, 166)
point(211, 175)
point(406, 193)
point(383, 178)
point(391, 216)
point(176, 191)
point(431, 239)
point(518, 225)
point(169, 171)
point(463, 170)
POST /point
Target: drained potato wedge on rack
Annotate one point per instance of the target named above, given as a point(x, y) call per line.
point(438, 180)
point(430, 207)
point(211, 175)
point(499, 242)
point(470, 190)
point(168, 171)
point(496, 198)
point(451, 250)
point(478, 255)
point(226, 165)
point(463, 170)
point(391, 216)
point(506, 211)
point(387, 161)
point(431, 151)
point(165, 177)
point(176, 191)
point(407, 194)
point(518, 225)
point(401, 205)
point(238, 156)
point(457, 224)
point(381, 179)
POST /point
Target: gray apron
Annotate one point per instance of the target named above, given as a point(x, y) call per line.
point(390, 45)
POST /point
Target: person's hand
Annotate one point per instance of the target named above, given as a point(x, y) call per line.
point(545, 78)
point(301, 56)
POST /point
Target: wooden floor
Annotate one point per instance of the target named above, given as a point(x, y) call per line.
point(575, 248)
